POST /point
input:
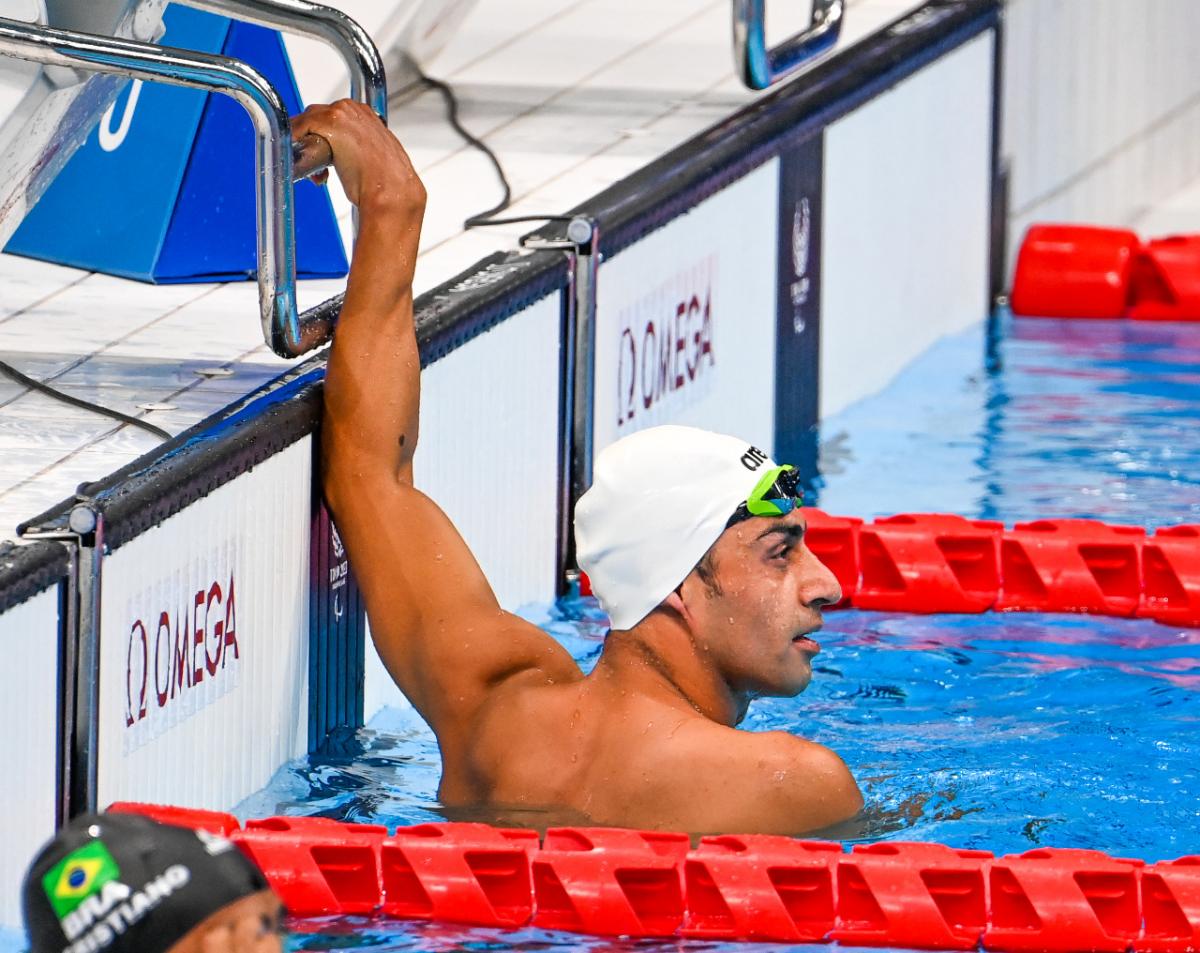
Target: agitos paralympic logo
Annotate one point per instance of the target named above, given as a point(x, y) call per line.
point(93, 906)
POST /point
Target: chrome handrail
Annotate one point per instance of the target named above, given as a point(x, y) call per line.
point(273, 154)
point(287, 332)
point(368, 81)
point(760, 66)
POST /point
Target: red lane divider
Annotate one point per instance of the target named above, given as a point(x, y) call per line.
point(1171, 563)
point(1165, 283)
point(1072, 566)
point(936, 562)
point(1079, 271)
point(933, 562)
point(929, 563)
point(1063, 900)
point(315, 865)
point(1170, 907)
point(215, 822)
point(760, 887)
point(1074, 271)
point(608, 881)
point(465, 873)
point(903, 894)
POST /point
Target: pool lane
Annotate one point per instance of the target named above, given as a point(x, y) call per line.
point(1071, 419)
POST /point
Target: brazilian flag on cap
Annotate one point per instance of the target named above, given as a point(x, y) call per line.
point(79, 875)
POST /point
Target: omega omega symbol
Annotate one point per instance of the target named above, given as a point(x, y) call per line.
point(753, 458)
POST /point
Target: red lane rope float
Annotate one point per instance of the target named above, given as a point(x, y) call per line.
point(936, 562)
point(932, 562)
point(613, 882)
point(1079, 271)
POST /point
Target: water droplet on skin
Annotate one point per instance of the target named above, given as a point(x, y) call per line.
point(780, 776)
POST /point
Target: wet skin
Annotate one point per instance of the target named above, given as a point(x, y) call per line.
point(249, 925)
point(648, 739)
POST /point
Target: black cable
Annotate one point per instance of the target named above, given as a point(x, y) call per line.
point(486, 218)
point(25, 381)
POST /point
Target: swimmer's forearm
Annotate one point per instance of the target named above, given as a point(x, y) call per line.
point(372, 389)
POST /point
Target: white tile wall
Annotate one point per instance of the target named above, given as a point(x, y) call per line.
point(1102, 108)
point(904, 259)
point(28, 710)
point(254, 531)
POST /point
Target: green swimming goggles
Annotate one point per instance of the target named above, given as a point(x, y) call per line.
point(776, 494)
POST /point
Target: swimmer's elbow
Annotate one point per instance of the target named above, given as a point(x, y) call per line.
point(349, 465)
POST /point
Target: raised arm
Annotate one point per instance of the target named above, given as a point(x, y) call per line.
point(434, 618)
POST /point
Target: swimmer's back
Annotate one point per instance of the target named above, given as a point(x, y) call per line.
point(586, 749)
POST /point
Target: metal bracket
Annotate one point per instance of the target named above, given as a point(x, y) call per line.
point(286, 331)
point(759, 66)
point(80, 671)
point(582, 244)
point(368, 83)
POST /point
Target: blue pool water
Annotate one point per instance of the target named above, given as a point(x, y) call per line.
point(1002, 732)
point(1073, 418)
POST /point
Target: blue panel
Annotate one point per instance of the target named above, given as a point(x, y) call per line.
point(109, 210)
point(212, 235)
point(173, 200)
point(798, 328)
point(337, 629)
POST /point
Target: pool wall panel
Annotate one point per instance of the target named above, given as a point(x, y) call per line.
point(1102, 109)
point(28, 744)
point(488, 455)
point(203, 653)
point(906, 212)
point(685, 323)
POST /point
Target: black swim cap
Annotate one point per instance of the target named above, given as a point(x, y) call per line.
point(122, 883)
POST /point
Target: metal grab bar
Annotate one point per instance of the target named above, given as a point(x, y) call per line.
point(760, 66)
point(283, 329)
point(368, 81)
point(287, 332)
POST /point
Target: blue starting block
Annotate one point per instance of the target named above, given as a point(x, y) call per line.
point(163, 189)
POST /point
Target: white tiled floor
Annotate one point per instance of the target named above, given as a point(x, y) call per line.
point(572, 94)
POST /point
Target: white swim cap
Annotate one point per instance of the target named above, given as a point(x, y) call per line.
point(659, 499)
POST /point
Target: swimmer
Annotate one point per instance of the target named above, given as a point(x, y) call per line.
point(121, 883)
point(694, 545)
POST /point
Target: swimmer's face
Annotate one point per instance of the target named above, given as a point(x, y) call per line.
point(248, 925)
point(756, 620)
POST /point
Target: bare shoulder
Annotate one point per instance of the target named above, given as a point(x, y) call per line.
point(724, 780)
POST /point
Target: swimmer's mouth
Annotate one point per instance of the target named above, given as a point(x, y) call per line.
point(804, 643)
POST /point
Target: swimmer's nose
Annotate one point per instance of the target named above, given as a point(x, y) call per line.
point(821, 587)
